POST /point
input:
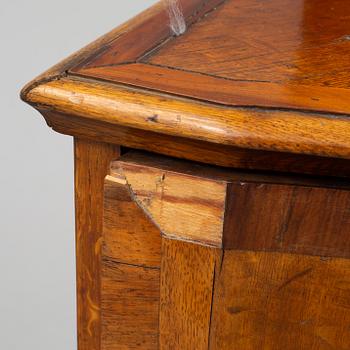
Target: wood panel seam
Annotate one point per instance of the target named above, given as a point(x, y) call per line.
point(216, 275)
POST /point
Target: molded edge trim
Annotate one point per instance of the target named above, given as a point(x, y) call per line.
point(252, 128)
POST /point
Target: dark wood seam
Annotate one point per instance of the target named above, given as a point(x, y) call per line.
point(118, 262)
point(141, 55)
point(83, 77)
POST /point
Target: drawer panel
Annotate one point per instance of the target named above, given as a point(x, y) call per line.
point(196, 256)
point(288, 218)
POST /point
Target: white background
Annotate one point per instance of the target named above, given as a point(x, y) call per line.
point(37, 264)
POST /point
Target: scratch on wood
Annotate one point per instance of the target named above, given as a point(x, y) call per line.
point(153, 118)
point(293, 278)
point(212, 305)
point(233, 310)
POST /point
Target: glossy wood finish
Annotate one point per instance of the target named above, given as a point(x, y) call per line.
point(150, 33)
point(91, 166)
point(234, 54)
point(281, 41)
point(233, 93)
point(286, 131)
point(273, 301)
point(187, 282)
point(273, 121)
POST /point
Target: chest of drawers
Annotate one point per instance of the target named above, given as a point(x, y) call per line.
point(212, 147)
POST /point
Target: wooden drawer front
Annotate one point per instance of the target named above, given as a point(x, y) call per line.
point(288, 218)
point(196, 257)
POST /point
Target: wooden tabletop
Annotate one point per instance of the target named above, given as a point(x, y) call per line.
point(267, 75)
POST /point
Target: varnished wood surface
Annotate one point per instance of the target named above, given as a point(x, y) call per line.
point(242, 49)
point(285, 218)
point(272, 301)
point(91, 166)
point(286, 131)
point(290, 130)
point(222, 91)
point(187, 282)
point(284, 41)
point(148, 34)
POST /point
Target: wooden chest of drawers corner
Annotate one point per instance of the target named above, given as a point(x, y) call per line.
point(212, 176)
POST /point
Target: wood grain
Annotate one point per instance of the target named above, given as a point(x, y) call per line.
point(130, 306)
point(148, 34)
point(230, 93)
point(303, 66)
point(183, 206)
point(285, 131)
point(131, 258)
point(252, 85)
point(285, 41)
point(128, 234)
point(91, 166)
point(187, 279)
point(286, 218)
point(278, 301)
point(234, 54)
point(199, 151)
point(238, 210)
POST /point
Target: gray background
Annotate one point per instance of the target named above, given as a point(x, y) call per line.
point(37, 264)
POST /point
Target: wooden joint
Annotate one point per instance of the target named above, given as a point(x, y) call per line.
point(184, 206)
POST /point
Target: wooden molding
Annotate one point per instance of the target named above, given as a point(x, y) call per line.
point(234, 93)
point(196, 150)
point(269, 130)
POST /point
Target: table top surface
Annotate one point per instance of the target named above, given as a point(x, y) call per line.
point(273, 53)
point(269, 75)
